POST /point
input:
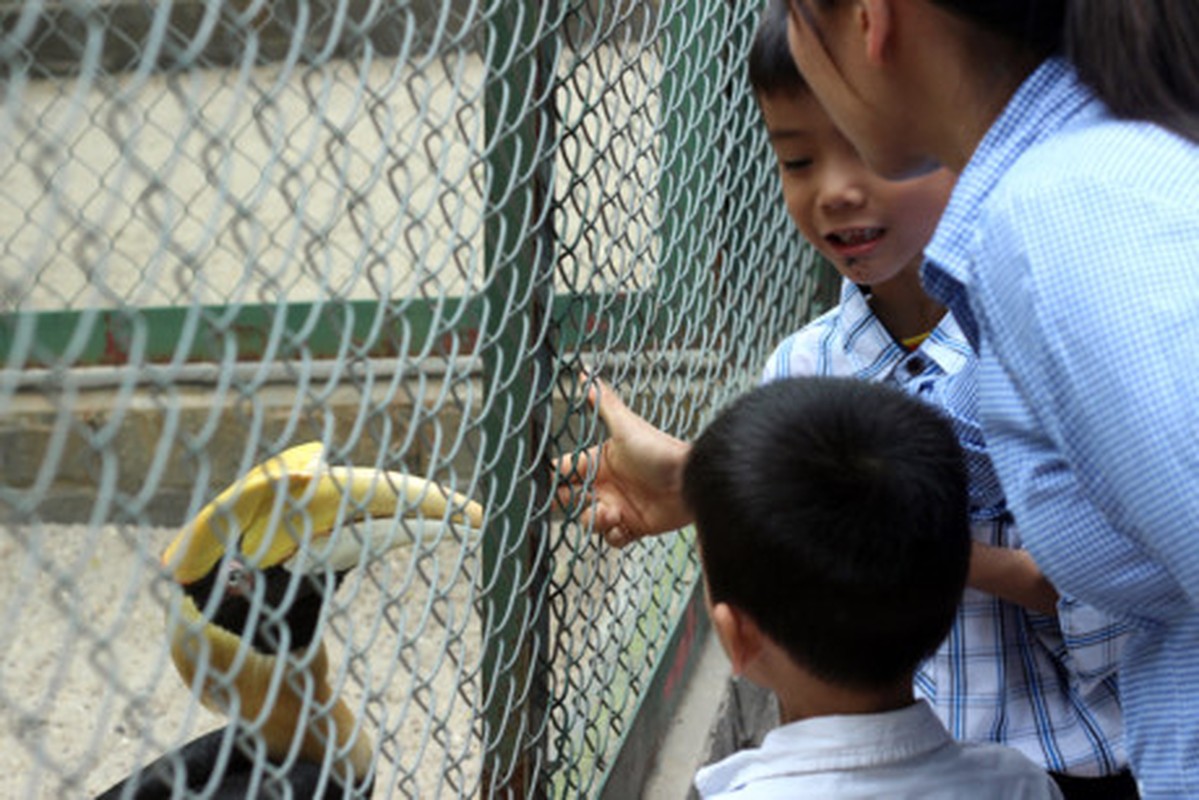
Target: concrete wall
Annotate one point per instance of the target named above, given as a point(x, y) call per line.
point(123, 438)
point(55, 42)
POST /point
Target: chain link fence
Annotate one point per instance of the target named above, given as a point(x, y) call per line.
point(400, 229)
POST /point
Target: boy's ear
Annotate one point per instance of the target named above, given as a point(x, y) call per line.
point(874, 24)
point(739, 634)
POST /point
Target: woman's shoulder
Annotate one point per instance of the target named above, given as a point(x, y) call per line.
point(1100, 152)
point(1082, 194)
point(1087, 219)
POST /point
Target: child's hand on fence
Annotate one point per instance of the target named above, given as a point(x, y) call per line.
point(629, 485)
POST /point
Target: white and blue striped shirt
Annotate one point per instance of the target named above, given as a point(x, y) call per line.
point(1070, 252)
point(1043, 685)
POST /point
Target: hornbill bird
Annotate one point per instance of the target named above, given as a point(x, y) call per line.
point(255, 568)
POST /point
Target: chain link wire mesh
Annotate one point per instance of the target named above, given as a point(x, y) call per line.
point(403, 230)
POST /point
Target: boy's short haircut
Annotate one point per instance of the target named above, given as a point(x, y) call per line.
point(772, 70)
point(833, 512)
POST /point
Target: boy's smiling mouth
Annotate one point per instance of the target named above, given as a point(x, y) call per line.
point(854, 241)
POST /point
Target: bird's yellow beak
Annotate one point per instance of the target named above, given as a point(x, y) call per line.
point(280, 505)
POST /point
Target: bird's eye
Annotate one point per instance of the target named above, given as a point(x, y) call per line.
point(239, 579)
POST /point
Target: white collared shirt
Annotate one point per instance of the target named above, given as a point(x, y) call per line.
point(897, 754)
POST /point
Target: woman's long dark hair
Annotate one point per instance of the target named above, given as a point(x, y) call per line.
point(1035, 25)
point(1141, 57)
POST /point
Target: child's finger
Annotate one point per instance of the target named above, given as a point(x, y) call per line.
point(618, 537)
point(576, 467)
point(604, 399)
point(598, 516)
point(574, 498)
point(590, 519)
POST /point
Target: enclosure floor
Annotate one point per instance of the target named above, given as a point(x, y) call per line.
point(87, 689)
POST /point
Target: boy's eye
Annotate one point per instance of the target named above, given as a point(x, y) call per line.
point(796, 164)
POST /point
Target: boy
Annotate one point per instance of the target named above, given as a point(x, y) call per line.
point(1020, 666)
point(834, 533)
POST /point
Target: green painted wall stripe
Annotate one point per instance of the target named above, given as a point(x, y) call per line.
point(203, 334)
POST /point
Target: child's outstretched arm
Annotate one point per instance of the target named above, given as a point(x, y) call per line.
point(629, 485)
point(1013, 576)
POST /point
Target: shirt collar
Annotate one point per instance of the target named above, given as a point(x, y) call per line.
point(859, 331)
point(862, 336)
point(831, 744)
point(1047, 100)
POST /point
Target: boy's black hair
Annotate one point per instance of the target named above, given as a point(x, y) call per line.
point(834, 512)
point(772, 70)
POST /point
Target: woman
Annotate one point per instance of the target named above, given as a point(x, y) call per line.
point(1068, 253)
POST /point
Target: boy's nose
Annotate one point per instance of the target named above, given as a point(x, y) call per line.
point(839, 193)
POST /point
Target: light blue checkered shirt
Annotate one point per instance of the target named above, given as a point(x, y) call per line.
point(1045, 686)
point(1070, 252)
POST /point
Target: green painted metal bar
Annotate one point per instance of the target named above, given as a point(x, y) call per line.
point(689, 198)
point(204, 333)
point(659, 701)
point(693, 191)
point(200, 334)
point(518, 363)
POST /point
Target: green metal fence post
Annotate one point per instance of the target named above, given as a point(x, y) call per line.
point(689, 191)
point(518, 365)
point(693, 240)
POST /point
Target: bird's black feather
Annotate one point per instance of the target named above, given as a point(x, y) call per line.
point(194, 766)
point(283, 615)
point(236, 613)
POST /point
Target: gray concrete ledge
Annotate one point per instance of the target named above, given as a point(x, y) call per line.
point(719, 715)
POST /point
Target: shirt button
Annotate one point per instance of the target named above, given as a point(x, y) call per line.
point(914, 366)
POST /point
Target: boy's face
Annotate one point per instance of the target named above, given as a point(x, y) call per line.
point(831, 44)
point(870, 228)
